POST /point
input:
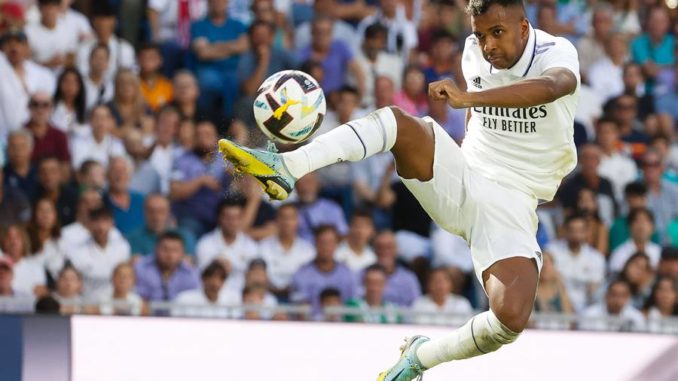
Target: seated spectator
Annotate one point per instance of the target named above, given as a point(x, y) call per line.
point(257, 277)
point(625, 110)
point(68, 291)
point(323, 272)
point(598, 234)
point(552, 294)
point(315, 211)
point(128, 106)
point(155, 88)
point(228, 244)
point(186, 94)
point(47, 140)
point(122, 300)
point(78, 24)
point(662, 197)
point(97, 143)
point(336, 58)
point(91, 175)
point(218, 41)
point(453, 121)
point(199, 180)
point(341, 30)
point(330, 298)
point(12, 16)
point(75, 235)
point(53, 43)
point(581, 267)
point(606, 74)
point(375, 62)
point(615, 164)
point(166, 274)
point(99, 87)
point(402, 286)
point(640, 275)
point(96, 258)
point(14, 206)
point(50, 185)
point(126, 204)
point(44, 233)
point(374, 283)
point(634, 86)
point(355, 251)
point(442, 56)
point(212, 299)
point(661, 304)
point(121, 52)
point(641, 226)
point(158, 219)
point(29, 273)
point(285, 252)
point(615, 313)
point(70, 102)
point(402, 33)
point(254, 298)
point(144, 179)
point(635, 195)
point(11, 300)
point(21, 78)
point(19, 171)
point(668, 265)
point(591, 47)
point(440, 305)
point(164, 148)
point(654, 48)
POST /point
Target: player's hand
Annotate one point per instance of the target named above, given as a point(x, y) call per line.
point(447, 90)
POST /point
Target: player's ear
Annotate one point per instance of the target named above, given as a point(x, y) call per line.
point(524, 28)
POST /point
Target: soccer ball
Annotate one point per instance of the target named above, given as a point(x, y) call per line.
point(289, 106)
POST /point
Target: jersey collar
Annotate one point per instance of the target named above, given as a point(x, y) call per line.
point(524, 63)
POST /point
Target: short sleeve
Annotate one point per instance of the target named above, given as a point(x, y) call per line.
point(638, 53)
point(198, 30)
point(469, 64)
point(562, 54)
point(158, 5)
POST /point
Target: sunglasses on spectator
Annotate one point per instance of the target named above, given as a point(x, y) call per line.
point(38, 104)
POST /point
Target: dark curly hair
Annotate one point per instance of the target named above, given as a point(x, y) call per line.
point(478, 7)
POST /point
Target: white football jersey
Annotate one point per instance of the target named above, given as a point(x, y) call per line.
point(532, 148)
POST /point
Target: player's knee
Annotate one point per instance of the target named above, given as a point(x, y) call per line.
point(513, 316)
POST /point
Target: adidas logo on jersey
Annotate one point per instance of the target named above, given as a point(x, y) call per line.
point(476, 82)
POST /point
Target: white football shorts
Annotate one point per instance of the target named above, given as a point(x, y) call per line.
point(498, 222)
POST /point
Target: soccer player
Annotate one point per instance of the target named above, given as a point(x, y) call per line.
point(522, 93)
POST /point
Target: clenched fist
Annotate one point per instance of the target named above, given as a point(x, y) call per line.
point(448, 91)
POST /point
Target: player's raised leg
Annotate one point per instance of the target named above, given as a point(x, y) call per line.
point(409, 138)
point(511, 286)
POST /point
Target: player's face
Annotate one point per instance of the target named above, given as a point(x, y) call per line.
point(502, 33)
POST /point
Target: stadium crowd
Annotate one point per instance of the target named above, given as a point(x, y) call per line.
point(111, 190)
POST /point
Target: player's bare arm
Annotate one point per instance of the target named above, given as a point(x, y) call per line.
point(553, 84)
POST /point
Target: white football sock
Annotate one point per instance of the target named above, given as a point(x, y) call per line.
point(484, 333)
point(352, 141)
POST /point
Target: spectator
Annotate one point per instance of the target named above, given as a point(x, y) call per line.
point(164, 148)
point(44, 233)
point(29, 274)
point(19, 172)
point(70, 102)
point(68, 290)
point(228, 244)
point(91, 175)
point(450, 251)
point(330, 298)
point(641, 225)
point(374, 283)
point(615, 164)
point(126, 204)
point(144, 179)
point(128, 106)
point(52, 41)
point(265, 10)
point(598, 234)
point(635, 195)
point(122, 300)
point(258, 63)
point(661, 304)
point(170, 24)
point(634, 86)
point(212, 300)
point(96, 258)
point(667, 101)
point(314, 211)
point(98, 143)
point(322, 273)
point(166, 274)
point(98, 87)
point(254, 297)
point(551, 293)
point(355, 251)
point(158, 219)
point(75, 21)
point(21, 77)
point(47, 140)
point(615, 313)
point(11, 300)
point(402, 286)
point(441, 306)
point(121, 53)
point(384, 91)
point(581, 267)
point(186, 93)
point(218, 42)
point(654, 49)
point(606, 73)
point(198, 182)
point(51, 186)
point(341, 30)
point(668, 265)
point(12, 16)
point(453, 121)
point(336, 58)
point(624, 109)
point(402, 33)
point(591, 47)
point(375, 62)
point(256, 278)
point(285, 252)
point(640, 275)
point(14, 206)
point(156, 89)
point(442, 54)
point(662, 197)
point(76, 234)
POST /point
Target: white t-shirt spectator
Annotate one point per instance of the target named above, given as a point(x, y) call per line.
point(168, 15)
point(239, 254)
point(440, 315)
point(281, 264)
point(122, 56)
point(47, 43)
point(579, 271)
point(387, 65)
point(52, 256)
point(75, 234)
point(620, 170)
point(95, 94)
point(28, 273)
point(96, 264)
point(594, 319)
point(161, 159)
point(194, 303)
point(605, 78)
point(356, 262)
point(622, 254)
point(85, 147)
point(589, 108)
point(402, 33)
point(130, 305)
point(77, 23)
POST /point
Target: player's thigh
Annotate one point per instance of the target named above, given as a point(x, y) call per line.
point(414, 147)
